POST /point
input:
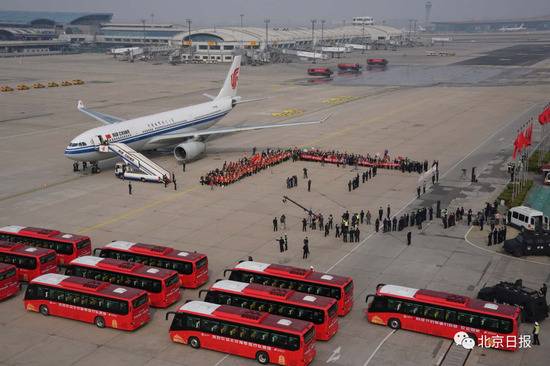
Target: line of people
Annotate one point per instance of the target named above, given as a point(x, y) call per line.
point(233, 171)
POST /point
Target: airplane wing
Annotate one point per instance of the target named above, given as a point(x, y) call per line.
point(175, 137)
point(102, 117)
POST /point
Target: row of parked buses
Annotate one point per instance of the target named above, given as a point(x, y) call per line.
point(270, 312)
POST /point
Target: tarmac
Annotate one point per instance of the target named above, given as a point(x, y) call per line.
point(462, 126)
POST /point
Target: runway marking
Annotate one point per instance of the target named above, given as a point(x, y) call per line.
point(501, 254)
point(288, 113)
point(339, 100)
point(223, 359)
point(137, 210)
point(378, 347)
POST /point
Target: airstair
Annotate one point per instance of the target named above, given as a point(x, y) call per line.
point(137, 160)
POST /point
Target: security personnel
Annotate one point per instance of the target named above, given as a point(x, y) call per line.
point(409, 235)
point(281, 244)
point(305, 248)
point(130, 188)
point(536, 332)
point(275, 228)
point(380, 213)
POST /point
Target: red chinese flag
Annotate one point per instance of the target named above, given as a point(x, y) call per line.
point(544, 117)
point(529, 135)
point(517, 147)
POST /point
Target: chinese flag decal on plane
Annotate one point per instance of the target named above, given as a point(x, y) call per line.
point(235, 77)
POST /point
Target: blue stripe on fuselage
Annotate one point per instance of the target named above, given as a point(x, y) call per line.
point(143, 136)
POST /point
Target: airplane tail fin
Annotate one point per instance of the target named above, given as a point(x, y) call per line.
point(229, 88)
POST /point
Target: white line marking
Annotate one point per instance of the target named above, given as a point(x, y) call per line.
point(501, 254)
point(223, 359)
point(378, 347)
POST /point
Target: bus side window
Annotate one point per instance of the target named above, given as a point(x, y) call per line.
point(515, 215)
point(412, 309)
point(193, 323)
point(468, 319)
point(395, 305)
point(489, 323)
point(434, 313)
point(210, 326)
point(450, 316)
point(505, 326)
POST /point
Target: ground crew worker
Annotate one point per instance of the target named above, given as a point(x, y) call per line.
point(326, 230)
point(380, 213)
point(304, 224)
point(368, 216)
point(409, 235)
point(349, 186)
point(418, 191)
point(361, 216)
point(281, 244)
point(309, 185)
point(286, 243)
point(536, 332)
point(305, 173)
point(490, 239)
point(377, 225)
point(275, 228)
point(337, 235)
point(305, 248)
point(388, 211)
point(283, 221)
point(130, 188)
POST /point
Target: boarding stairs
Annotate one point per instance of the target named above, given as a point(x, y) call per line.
point(136, 160)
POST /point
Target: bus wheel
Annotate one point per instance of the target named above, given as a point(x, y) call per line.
point(394, 323)
point(262, 358)
point(194, 342)
point(44, 310)
point(99, 322)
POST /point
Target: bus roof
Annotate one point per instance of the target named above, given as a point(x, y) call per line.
point(89, 286)
point(447, 299)
point(245, 316)
point(22, 249)
point(274, 294)
point(155, 250)
point(294, 272)
point(527, 211)
point(122, 266)
point(43, 233)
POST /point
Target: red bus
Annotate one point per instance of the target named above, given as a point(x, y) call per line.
point(162, 285)
point(293, 278)
point(9, 285)
point(319, 71)
point(67, 246)
point(30, 261)
point(191, 266)
point(319, 310)
point(89, 301)
point(443, 314)
point(243, 332)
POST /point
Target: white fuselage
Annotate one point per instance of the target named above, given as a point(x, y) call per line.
point(138, 133)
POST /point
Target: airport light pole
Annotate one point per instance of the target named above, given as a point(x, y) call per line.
point(364, 42)
point(242, 16)
point(313, 21)
point(322, 31)
point(266, 21)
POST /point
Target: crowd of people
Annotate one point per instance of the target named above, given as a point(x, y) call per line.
point(379, 161)
point(231, 172)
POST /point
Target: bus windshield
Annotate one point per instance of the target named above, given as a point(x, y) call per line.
point(139, 301)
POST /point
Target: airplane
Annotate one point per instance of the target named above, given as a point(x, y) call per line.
point(513, 29)
point(185, 128)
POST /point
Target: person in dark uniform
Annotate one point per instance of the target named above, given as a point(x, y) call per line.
point(377, 225)
point(183, 166)
point(394, 224)
point(286, 243)
point(481, 223)
point(490, 239)
point(337, 235)
point(130, 188)
point(418, 191)
point(326, 230)
point(495, 236)
point(305, 248)
point(361, 216)
point(380, 213)
point(349, 186)
point(469, 216)
point(281, 244)
point(431, 212)
point(357, 234)
point(388, 211)
point(175, 185)
point(275, 228)
point(309, 185)
point(305, 173)
point(409, 236)
point(304, 224)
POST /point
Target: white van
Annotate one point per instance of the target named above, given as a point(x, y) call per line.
point(528, 218)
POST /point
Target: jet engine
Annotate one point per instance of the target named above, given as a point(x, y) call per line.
point(189, 150)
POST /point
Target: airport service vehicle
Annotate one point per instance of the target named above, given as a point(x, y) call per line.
point(31, 262)
point(185, 128)
point(299, 279)
point(319, 71)
point(9, 285)
point(531, 302)
point(77, 82)
point(38, 86)
point(349, 67)
point(162, 285)
point(191, 266)
point(247, 333)
point(6, 88)
point(67, 246)
point(53, 84)
point(529, 243)
point(319, 310)
point(443, 314)
point(524, 217)
point(376, 62)
point(22, 87)
point(90, 301)
point(126, 171)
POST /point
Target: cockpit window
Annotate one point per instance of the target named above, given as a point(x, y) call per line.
point(73, 144)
